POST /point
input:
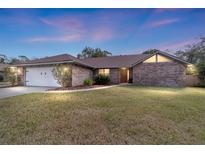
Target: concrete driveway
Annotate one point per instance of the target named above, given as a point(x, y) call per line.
point(14, 91)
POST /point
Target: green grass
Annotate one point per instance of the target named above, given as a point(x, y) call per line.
point(119, 115)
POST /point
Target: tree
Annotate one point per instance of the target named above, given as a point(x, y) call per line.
point(18, 59)
point(12, 76)
point(91, 52)
point(62, 73)
point(23, 58)
point(201, 70)
point(2, 58)
point(194, 53)
point(151, 51)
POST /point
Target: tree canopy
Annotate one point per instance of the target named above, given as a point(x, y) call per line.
point(194, 53)
point(151, 51)
point(2, 58)
point(5, 59)
point(89, 52)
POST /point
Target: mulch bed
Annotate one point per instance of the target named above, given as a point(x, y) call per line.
point(77, 87)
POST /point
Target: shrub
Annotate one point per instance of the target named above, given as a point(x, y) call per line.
point(88, 82)
point(201, 84)
point(1, 78)
point(62, 73)
point(102, 79)
point(201, 70)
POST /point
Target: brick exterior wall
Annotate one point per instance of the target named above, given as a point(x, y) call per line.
point(79, 74)
point(115, 75)
point(159, 74)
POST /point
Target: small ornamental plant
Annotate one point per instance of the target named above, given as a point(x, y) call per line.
point(88, 82)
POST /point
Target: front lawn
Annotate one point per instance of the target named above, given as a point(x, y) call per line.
point(119, 115)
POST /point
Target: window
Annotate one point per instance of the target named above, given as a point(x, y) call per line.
point(104, 71)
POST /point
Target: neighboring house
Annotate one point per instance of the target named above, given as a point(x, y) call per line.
point(159, 69)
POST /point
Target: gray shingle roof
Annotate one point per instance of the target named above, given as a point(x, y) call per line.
point(100, 62)
point(63, 58)
point(115, 61)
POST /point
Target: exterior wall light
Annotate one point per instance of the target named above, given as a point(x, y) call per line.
point(65, 69)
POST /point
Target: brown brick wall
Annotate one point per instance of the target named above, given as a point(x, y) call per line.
point(79, 74)
point(115, 75)
point(159, 74)
point(191, 80)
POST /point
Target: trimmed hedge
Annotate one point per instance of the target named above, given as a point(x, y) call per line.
point(102, 79)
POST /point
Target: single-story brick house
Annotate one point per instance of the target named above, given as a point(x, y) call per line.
point(159, 69)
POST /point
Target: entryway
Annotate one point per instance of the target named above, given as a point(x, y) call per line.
point(124, 75)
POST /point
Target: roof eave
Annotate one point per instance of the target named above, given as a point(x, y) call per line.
point(40, 64)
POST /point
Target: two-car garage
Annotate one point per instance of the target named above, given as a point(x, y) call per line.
point(40, 76)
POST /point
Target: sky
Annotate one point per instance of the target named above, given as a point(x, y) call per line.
point(46, 32)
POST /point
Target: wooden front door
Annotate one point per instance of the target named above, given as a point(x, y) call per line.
point(123, 76)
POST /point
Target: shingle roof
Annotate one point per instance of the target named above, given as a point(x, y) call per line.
point(115, 61)
point(63, 58)
point(100, 62)
point(2, 66)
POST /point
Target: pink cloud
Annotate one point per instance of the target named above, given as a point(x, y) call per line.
point(102, 34)
point(64, 23)
point(75, 27)
point(65, 38)
point(162, 22)
point(178, 45)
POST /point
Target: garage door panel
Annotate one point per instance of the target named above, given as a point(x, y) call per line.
point(40, 76)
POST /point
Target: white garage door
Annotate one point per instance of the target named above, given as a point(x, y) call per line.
point(40, 76)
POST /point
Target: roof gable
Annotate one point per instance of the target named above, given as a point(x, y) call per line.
point(164, 54)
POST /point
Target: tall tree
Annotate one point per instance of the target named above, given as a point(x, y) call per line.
point(2, 58)
point(151, 51)
point(194, 53)
point(89, 52)
point(23, 58)
point(18, 59)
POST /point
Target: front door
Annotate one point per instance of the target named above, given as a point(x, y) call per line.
point(123, 75)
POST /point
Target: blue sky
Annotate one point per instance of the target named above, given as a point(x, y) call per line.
point(45, 32)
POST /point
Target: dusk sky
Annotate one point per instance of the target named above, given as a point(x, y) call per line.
point(46, 32)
